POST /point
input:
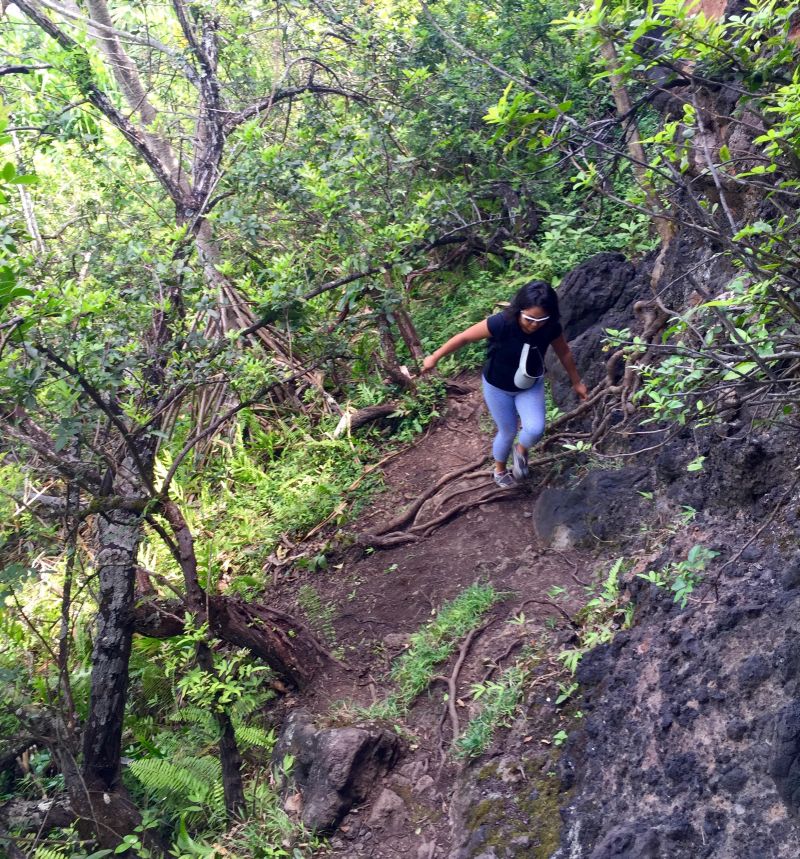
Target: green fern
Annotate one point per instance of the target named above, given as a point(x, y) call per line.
point(49, 853)
point(206, 768)
point(196, 716)
point(189, 781)
point(251, 735)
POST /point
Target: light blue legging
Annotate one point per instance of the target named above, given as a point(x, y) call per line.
point(504, 406)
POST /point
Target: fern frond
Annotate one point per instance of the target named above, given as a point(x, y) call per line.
point(175, 782)
point(195, 716)
point(252, 735)
point(206, 768)
point(49, 853)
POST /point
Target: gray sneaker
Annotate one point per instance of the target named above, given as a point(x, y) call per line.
point(520, 467)
point(504, 479)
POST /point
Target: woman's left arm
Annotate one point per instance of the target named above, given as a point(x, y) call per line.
point(561, 348)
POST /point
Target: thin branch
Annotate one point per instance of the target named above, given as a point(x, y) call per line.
point(84, 79)
point(21, 70)
point(267, 103)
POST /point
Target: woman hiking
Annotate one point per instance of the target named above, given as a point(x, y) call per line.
point(513, 375)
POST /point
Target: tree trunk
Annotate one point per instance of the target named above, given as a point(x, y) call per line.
point(391, 364)
point(404, 325)
point(633, 141)
point(408, 332)
point(96, 792)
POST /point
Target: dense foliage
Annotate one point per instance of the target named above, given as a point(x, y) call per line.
point(226, 227)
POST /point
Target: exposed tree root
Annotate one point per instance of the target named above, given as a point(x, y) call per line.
point(437, 502)
point(564, 613)
point(408, 515)
point(491, 494)
point(498, 659)
point(279, 639)
point(425, 529)
point(452, 687)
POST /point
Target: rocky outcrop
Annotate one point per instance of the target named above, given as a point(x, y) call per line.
point(600, 508)
point(596, 295)
point(690, 746)
point(334, 768)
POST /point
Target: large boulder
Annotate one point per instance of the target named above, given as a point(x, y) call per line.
point(600, 508)
point(596, 295)
point(334, 768)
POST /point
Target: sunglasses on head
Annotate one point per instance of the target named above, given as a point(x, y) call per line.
point(533, 318)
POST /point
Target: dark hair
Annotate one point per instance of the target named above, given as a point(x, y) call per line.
point(537, 293)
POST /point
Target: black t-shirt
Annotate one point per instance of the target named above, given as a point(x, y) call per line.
point(504, 349)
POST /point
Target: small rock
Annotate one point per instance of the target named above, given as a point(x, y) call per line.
point(734, 780)
point(413, 770)
point(388, 812)
point(791, 575)
point(753, 552)
point(396, 640)
point(424, 784)
point(510, 771)
point(293, 803)
point(754, 671)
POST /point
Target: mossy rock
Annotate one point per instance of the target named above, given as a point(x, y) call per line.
point(526, 822)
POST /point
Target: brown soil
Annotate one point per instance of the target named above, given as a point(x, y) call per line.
point(368, 601)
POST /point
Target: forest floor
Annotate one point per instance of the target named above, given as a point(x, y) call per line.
point(368, 601)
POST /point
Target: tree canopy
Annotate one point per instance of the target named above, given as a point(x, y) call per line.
point(227, 230)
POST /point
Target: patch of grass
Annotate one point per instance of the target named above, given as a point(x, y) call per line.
point(432, 645)
point(501, 698)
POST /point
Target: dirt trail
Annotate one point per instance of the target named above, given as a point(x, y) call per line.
point(367, 603)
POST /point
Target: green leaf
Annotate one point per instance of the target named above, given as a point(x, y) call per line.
point(696, 464)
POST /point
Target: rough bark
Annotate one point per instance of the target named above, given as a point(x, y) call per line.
point(408, 332)
point(96, 792)
point(127, 77)
point(391, 363)
point(633, 141)
point(119, 532)
point(287, 646)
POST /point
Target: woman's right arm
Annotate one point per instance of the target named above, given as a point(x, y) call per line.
point(479, 331)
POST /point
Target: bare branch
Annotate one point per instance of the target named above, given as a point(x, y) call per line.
point(21, 70)
point(282, 95)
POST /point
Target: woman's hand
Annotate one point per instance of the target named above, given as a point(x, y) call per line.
point(429, 363)
point(581, 390)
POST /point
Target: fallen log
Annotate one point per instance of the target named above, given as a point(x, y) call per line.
point(284, 643)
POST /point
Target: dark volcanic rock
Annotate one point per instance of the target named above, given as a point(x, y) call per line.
point(335, 768)
point(598, 294)
point(791, 575)
point(600, 507)
point(784, 765)
point(628, 842)
point(693, 720)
